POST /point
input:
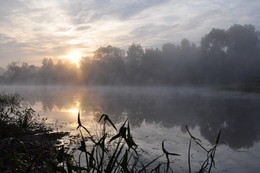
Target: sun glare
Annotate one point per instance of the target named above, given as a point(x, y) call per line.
point(74, 111)
point(75, 56)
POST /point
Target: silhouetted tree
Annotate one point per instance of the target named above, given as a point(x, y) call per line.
point(225, 56)
point(133, 63)
point(107, 66)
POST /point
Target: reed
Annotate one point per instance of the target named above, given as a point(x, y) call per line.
point(118, 152)
point(112, 151)
point(26, 142)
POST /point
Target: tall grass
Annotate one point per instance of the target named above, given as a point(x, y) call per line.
point(209, 162)
point(112, 150)
point(17, 120)
point(25, 141)
point(117, 152)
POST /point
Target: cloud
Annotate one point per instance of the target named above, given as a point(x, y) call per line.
point(83, 28)
point(11, 50)
point(90, 11)
point(34, 25)
point(4, 39)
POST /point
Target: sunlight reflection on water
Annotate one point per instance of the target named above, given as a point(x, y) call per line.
point(156, 114)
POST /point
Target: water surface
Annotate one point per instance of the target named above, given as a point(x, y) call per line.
point(158, 113)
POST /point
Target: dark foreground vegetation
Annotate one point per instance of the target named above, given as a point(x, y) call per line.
point(27, 145)
point(230, 56)
point(26, 142)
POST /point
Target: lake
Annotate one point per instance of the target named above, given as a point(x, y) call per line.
point(158, 113)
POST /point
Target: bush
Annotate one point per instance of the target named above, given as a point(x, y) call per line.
point(25, 141)
point(15, 120)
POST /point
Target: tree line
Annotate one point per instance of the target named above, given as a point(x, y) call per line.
point(224, 56)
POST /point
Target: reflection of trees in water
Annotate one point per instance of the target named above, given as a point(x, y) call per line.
point(238, 120)
point(236, 117)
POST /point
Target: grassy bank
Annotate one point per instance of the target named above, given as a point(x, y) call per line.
point(26, 142)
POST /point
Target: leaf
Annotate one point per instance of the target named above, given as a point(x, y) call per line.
point(87, 132)
point(124, 163)
point(189, 164)
point(92, 159)
point(114, 137)
point(82, 146)
point(122, 130)
point(129, 140)
point(101, 143)
point(197, 139)
point(78, 168)
point(106, 118)
point(144, 167)
point(79, 122)
point(168, 153)
point(102, 116)
point(60, 156)
point(217, 141)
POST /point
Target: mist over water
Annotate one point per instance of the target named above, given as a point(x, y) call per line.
point(159, 91)
point(164, 65)
point(236, 113)
point(158, 113)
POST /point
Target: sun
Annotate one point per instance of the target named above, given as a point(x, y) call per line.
point(74, 56)
point(74, 111)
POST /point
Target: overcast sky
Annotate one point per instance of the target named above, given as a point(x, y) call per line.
point(33, 29)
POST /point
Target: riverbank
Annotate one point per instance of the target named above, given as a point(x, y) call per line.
point(27, 144)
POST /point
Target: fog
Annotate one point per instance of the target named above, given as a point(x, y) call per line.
point(171, 86)
point(236, 114)
point(223, 57)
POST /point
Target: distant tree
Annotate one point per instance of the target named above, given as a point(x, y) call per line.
point(20, 73)
point(86, 69)
point(135, 54)
point(107, 66)
point(13, 71)
point(243, 52)
point(65, 72)
point(47, 64)
point(151, 68)
point(214, 47)
point(243, 38)
point(185, 44)
point(188, 64)
point(215, 43)
point(47, 72)
point(224, 56)
point(2, 71)
point(230, 55)
point(133, 63)
point(108, 54)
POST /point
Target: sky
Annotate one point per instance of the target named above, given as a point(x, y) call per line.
point(31, 30)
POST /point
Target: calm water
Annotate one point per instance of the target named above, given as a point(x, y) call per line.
point(158, 113)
